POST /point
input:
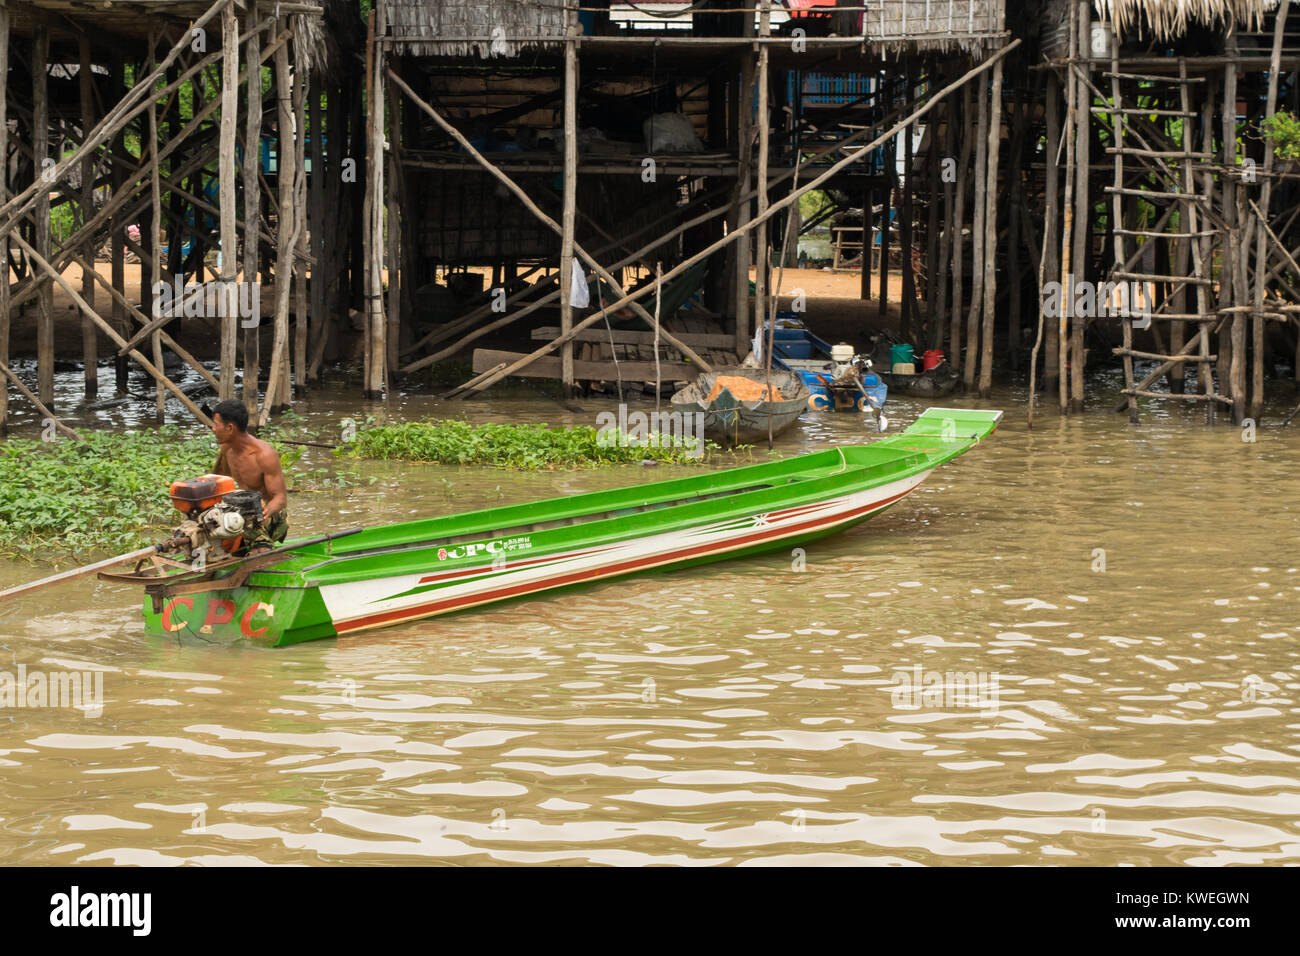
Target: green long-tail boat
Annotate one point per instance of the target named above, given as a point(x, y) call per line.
point(338, 585)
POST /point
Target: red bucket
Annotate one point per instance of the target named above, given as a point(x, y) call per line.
point(931, 358)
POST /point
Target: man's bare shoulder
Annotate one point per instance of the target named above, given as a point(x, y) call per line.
point(267, 457)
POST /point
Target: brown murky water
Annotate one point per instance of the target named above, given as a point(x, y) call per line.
point(1129, 595)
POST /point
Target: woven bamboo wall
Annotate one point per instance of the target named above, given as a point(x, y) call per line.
point(488, 28)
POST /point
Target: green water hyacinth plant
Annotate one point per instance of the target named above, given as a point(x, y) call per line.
point(106, 493)
point(455, 442)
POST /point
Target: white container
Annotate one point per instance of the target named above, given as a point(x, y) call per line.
point(903, 368)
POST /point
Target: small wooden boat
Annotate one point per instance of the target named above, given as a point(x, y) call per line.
point(933, 383)
point(797, 350)
point(341, 584)
point(733, 420)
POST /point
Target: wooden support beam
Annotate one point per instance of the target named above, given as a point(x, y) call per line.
point(252, 210)
point(958, 227)
point(41, 234)
point(301, 79)
point(978, 233)
point(570, 199)
point(740, 208)
point(287, 226)
point(226, 190)
point(151, 240)
point(991, 234)
point(1266, 192)
point(89, 338)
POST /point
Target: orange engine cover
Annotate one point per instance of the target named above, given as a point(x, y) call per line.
point(196, 494)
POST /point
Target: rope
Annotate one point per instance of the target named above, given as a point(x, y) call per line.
point(618, 369)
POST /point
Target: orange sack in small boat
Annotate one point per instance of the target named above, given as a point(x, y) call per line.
point(744, 389)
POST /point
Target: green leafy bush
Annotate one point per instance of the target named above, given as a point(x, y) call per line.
point(1284, 130)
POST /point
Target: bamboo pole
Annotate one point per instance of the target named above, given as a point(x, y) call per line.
point(107, 329)
point(1228, 207)
point(906, 237)
point(41, 234)
point(1067, 224)
point(991, 234)
point(933, 191)
point(320, 275)
point(226, 191)
point(1050, 257)
point(744, 159)
point(277, 389)
point(570, 201)
point(4, 195)
point(978, 233)
point(252, 208)
point(1239, 238)
point(1116, 214)
point(958, 227)
point(300, 81)
point(939, 279)
point(155, 224)
point(117, 224)
point(791, 198)
point(1082, 257)
point(89, 339)
point(40, 406)
point(1261, 254)
point(762, 255)
point(551, 224)
point(397, 276)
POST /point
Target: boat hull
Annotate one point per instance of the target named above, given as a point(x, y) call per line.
point(733, 422)
point(290, 615)
point(336, 586)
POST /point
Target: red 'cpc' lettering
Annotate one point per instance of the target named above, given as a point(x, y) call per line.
point(246, 622)
point(219, 612)
point(171, 606)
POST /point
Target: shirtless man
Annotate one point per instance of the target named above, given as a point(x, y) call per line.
point(255, 466)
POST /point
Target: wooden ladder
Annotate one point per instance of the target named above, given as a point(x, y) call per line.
point(1170, 160)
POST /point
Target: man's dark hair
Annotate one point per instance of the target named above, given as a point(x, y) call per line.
point(233, 412)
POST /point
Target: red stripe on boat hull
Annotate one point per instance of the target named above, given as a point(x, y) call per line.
point(576, 577)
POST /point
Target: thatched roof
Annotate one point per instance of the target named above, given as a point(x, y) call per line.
point(1167, 19)
point(490, 28)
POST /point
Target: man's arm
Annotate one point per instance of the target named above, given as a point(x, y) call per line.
point(272, 482)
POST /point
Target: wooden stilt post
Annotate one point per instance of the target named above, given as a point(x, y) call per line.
point(991, 233)
point(1050, 264)
point(1083, 225)
point(277, 390)
point(320, 272)
point(300, 81)
point(940, 280)
point(932, 193)
point(868, 203)
point(906, 236)
point(252, 166)
point(4, 195)
point(570, 197)
point(1228, 210)
point(1067, 223)
point(89, 340)
point(117, 227)
point(155, 261)
point(958, 227)
point(226, 187)
point(977, 238)
point(886, 207)
point(762, 255)
point(1261, 248)
point(40, 153)
point(745, 152)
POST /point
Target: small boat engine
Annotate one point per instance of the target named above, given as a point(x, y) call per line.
point(215, 512)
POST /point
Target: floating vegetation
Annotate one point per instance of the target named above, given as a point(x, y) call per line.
point(455, 442)
point(109, 492)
